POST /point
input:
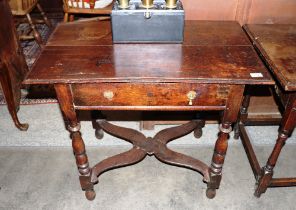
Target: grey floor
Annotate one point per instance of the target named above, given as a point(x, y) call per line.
point(46, 178)
point(37, 170)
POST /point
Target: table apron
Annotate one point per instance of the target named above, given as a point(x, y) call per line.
point(148, 96)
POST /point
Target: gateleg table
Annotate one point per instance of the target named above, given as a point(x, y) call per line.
point(276, 44)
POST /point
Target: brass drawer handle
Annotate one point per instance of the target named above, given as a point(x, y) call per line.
point(191, 95)
point(108, 95)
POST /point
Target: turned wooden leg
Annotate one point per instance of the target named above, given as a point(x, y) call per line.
point(218, 160)
point(11, 104)
point(47, 22)
point(82, 162)
point(287, 126)
point(97, 116)
point(243, 115)
point(198, 130)
point(230, 115)
point(64, 96)
point(267, 170)
point(36, 34)
point(66, 17)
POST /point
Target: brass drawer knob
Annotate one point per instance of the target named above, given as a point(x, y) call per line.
point(108, 95)
point(191, 95)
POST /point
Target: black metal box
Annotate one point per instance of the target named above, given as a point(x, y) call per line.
point(157, 24)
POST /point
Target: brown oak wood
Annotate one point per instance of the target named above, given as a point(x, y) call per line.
point(152, 146)
point(65, 99)
point(148, 95)
point(276, 44)
point(243, 11)
point(217, 61)
point(283, 182)
point(250, 151)
point(206, 72)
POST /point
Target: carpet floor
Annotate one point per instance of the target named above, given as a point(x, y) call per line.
point(34, 94)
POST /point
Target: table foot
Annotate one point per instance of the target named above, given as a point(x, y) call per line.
point(213, 184)
point(198, 130)
point(97, 116)
point(215, 170)
point(211, 193)
point(99, 133)
point(264, 181)
point(90, 195)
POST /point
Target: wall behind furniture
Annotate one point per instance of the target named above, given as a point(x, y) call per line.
point(244, 11)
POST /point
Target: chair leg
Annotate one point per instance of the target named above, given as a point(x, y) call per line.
point(66, 17)
point(47, 22)
point(36, 34)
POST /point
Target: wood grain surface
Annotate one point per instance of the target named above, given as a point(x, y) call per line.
point(204, 57)
point(277, 45)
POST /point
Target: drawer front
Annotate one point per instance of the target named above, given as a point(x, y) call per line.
point(149, 95)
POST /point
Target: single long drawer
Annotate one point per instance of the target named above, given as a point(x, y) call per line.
point(149, 94)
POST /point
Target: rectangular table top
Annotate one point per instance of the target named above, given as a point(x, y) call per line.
point(277, 44)
point(212, 52)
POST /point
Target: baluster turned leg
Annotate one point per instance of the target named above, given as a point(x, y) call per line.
point(218, 160)
point(66, 104)
point(82, 162)
point(287, 126)
point(243, 115)
point(230, 115)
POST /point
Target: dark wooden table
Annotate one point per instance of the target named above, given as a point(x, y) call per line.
point(276, 44)
point(207, 72)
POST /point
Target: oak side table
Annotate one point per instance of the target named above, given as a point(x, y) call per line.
point(276, 44)
point(207, 72)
